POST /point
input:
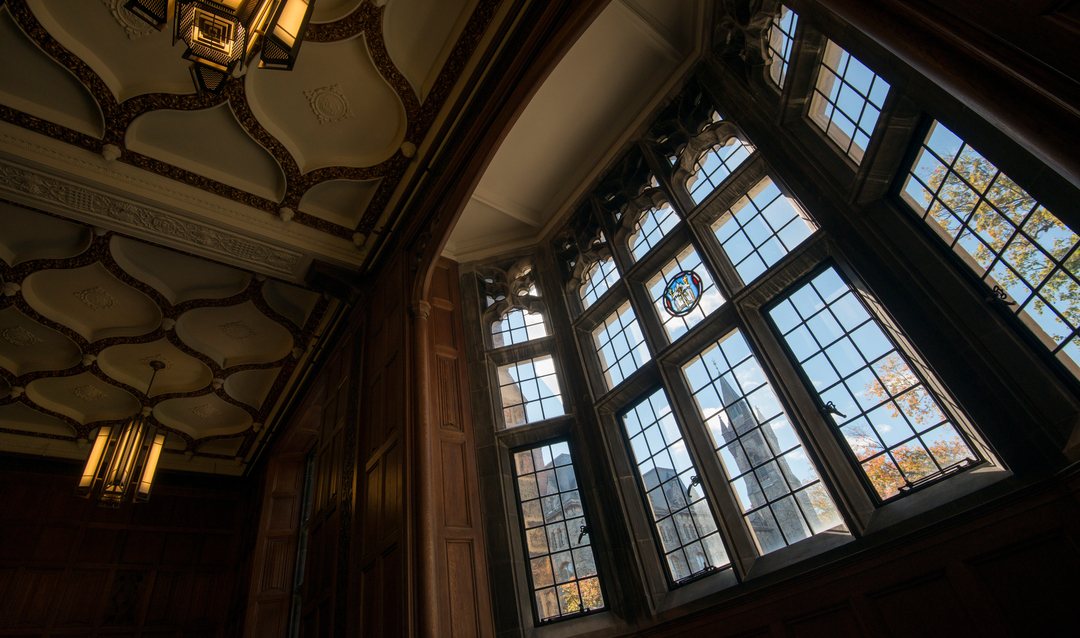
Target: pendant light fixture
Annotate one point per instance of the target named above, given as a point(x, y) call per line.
point(221, 35)
point(120, 454)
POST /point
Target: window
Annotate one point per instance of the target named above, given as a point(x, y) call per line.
point(847, 101)
point(778, 488)
point(692, 309)
point(684, 525)
point(715, 166)
point(781, 39)
point(530, 391)
point(621, 345)
point(891, 421)
point(761, 228)
point(308, 491)
point(601, 276)
point(1024, 253)
point(562, 568)
point(518, 326)
point(651, 228)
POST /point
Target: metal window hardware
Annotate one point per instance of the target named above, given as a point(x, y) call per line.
point(830, 408)
point(694, 480)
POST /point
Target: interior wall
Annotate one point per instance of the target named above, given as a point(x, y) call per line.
point(1010, 571)
point(169, 568)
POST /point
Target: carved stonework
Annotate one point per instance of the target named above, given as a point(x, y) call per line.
point(88, 393)
point(743, 28)
point(205, 411)
point(715, 134)
point(237, 330)
point(19, 337)
point(329, 104)
point(132, 25)
point(580, 245)
point(96, 298)
point(141, 218)
point(689, 112)
point(509, 287)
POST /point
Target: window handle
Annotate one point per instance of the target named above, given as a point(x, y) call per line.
point(1000, 296)
point(830, 408)
point(694, 480)
point(583, 531)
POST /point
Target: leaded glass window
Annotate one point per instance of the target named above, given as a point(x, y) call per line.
point(530, 391)
point(651, 228)
point(518, 326)
point(684, 524)
point(620, 344)
point(847, 101)
point(762, 227)
point(709, 299)
point(562, 566)
point(782, 498)
point(892, 422)
point(781, 39)
point(601, 276)
point(1018, 247)
point(714, 167)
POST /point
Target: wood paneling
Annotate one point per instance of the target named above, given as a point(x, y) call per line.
point(70, 568)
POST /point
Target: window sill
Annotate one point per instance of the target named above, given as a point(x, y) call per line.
point(604, 622)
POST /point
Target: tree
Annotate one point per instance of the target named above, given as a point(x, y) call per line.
point(590, 596)
point(994, 207)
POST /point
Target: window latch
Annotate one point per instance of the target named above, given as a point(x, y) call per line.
point(694, 480)
point(999, 295)
point(583, 531)
point(830, 408)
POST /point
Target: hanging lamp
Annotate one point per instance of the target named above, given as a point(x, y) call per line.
point(221, 35)
point(121, 453)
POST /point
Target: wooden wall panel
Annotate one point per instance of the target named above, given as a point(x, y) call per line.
point(464, 601)
point(70, 568)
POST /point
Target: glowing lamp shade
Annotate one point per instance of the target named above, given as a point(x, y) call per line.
point(222, 35)
point(285, 34)
point(124, 459)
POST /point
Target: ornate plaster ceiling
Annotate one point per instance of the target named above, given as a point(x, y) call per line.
point(296, 165)
point(84, 311)
point(140, 221)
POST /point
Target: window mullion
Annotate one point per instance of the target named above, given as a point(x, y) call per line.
point(814, 430)
point(662, 171)
point(741, 546)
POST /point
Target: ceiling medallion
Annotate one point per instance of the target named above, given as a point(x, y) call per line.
point(19, 337)
point(329, 104)
point(96, 298)
point(131, 23)
point(88, 393)
point(156, 357)
point(237, 330)
point(205, 411)
point(683, 293)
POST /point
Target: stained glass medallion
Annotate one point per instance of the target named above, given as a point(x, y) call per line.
point(683, 293)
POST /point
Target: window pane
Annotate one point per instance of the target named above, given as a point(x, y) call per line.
point(620, 345)
point(1018, 247)
point(601, 276)
point(848, 98)
point(651, 228)
point(518, 326)
point(762, 227)
point(709, 297)
point(891, 421)
point(685, 527)
point(530, 391)
point(562, 567)
point(714, 167)
point(777, 485)
point(781, 39)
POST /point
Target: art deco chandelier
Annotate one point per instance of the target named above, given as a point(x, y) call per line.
point(120, 453)
point(222, 35)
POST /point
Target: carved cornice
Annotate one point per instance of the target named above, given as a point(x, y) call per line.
point(115, 212)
